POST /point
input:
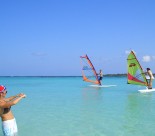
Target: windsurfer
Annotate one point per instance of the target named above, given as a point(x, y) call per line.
point(149, 78)
point(100, 75)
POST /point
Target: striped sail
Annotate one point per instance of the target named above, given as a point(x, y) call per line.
point(135, 73)
point(88, 71)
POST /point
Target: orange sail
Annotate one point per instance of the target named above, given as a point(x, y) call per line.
point(88, 71)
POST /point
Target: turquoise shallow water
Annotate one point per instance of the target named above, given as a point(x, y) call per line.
point(67, 106)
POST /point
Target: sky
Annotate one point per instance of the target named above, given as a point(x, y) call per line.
point(47, 37)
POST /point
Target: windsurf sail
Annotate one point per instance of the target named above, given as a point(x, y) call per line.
point(88, 71)
point(135, 73)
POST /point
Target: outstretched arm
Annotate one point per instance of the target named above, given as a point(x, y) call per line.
point(12, 97)
point(15, 100)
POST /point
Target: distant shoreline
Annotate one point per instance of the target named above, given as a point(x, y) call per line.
point(106, 75)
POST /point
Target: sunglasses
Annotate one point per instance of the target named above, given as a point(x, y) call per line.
point(4, 92)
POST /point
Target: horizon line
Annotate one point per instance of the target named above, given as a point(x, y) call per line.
point(65, 75)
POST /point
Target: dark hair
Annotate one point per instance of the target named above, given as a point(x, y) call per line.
point(148, 68)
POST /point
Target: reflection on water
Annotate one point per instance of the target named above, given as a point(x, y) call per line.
point(91, 93)
point(138, 110)
point(91, 110)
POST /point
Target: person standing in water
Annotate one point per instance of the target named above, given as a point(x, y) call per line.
point(150, 78)
point(9, 125)
point(100, 75)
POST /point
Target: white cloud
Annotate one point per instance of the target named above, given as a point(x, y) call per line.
point(153, 57)
point(146, 58)
point(39, 54)
point(127, 52)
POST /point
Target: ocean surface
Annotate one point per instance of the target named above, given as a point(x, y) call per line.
point(67, 106)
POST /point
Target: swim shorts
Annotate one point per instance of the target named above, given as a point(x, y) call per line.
point(100, 78)
point(9, 127)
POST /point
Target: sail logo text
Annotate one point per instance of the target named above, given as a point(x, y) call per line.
point(132, 65)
